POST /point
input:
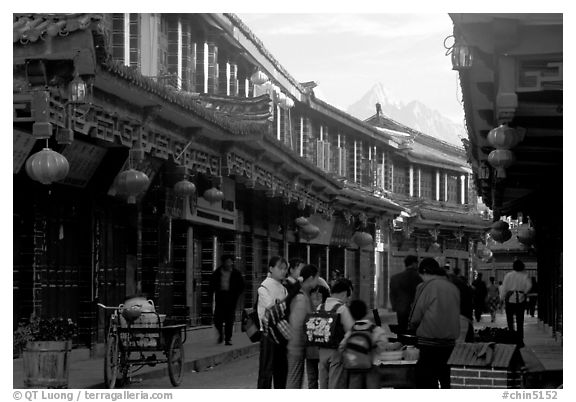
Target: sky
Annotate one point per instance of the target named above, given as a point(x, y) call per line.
point(347, 54)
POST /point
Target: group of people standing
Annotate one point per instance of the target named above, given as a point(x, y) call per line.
point(438, 305)
point(283, 365)
point(434, 303)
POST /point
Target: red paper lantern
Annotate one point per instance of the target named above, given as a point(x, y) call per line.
point(485, 254)
point(309, 231)
point(501, 236)
point(302, 221)
point(526, 235)
point(500, 225)
point(501, 159)
point(362, 239)
point(184, 188)
point(259, 78)
point(213, 195)
point(503, 137)
point(47, 166)
point(132, 182)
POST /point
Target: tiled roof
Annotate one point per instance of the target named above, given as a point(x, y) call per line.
point(355, 193)
point(425, 153)
point(463, 218)
point(496, 355)
point(244, 28)
point(377, 133)
point(400, 129)
point(33, 27)
point(185, 100)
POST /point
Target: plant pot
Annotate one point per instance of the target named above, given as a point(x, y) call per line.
point(46, 364)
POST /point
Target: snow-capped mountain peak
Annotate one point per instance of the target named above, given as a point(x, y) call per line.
point(415, 115)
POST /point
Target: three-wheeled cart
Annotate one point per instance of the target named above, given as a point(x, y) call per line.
point(140, 339)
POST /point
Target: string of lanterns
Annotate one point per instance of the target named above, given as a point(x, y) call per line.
point(48, 166)
point(503, 138)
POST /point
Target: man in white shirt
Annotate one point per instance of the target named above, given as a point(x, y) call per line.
point(515, 287)
point(273, 357)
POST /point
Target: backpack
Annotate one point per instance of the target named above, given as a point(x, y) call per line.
point(250, 322)
point(357, 352)
point(323, 328)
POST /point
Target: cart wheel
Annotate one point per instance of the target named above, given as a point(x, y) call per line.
point(176, 360)
point(111, 359)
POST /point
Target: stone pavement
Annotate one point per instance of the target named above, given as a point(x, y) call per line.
point(542, 354)
point(200, 351)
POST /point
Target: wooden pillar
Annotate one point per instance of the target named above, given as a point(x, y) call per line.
point(139, 249)
point(327, 261)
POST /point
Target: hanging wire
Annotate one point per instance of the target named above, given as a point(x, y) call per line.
point(449, 49)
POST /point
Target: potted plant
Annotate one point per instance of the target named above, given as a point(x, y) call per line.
point(45, 344)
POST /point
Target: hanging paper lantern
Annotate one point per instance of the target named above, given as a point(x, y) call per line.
point(500, 225)
point(526, 235)
point(362, 239)
point(213, 195)
point(503, 137)
point(501, 236)
point(47, 166)
point(184, 188)
point(286, 102)
point(309, 231)
point(486, 255)
point(302, 221)
point(259, 78)
point(501, 159)
point(132, 182)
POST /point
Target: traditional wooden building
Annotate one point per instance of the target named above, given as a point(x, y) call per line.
point(431, 180)
point(510, 69)
point(185, 139)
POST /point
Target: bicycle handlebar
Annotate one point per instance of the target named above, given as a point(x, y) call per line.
point(108, 307)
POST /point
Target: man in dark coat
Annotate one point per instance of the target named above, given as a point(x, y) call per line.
point(227, 284)
point(466, 305)
point(402, 290)
point(480, 293)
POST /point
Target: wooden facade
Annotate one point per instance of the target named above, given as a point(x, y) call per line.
point(172, 97)
point(515, 78)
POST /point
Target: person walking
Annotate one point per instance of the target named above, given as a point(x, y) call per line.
point(466, 305)
point(493, 299)
point(533, 297)
point(272, 361)
point(300, 306)
point(227, 284)
point(402, 290)
point(331, 370)
point(480, 292)
point(515, 287)
point(435, 317)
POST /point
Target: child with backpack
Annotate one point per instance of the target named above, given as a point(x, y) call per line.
point(359, 345)
point(325, 328)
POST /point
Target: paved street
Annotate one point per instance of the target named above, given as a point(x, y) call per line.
point(239, 374)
